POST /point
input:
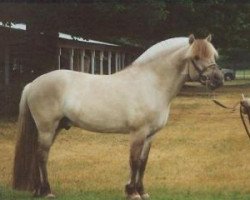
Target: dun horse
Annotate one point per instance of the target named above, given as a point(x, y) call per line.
point(135, 100)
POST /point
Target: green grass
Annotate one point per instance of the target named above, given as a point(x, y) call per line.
point(156, 194)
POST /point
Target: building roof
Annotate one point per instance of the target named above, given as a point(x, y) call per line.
point(22, 26)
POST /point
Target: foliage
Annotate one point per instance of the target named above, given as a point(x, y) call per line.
point(235, 58)
point(139, 22)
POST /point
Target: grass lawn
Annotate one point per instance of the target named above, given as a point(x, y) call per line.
point(203, 153)
point(157, 194)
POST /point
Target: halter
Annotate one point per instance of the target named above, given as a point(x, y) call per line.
point(202, 77)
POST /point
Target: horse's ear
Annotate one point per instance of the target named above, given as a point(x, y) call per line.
point(191, 38)
point(209, 38)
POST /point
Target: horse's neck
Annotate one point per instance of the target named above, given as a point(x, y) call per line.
point(171, 73)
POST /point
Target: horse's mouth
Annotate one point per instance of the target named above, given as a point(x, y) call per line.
point(214, 81)
point(212, 85)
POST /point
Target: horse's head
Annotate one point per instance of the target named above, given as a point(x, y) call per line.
point(201, 55)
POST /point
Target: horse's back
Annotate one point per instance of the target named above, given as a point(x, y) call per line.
point(53, 84)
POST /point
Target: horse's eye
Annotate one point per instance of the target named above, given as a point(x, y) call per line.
point(196, 57)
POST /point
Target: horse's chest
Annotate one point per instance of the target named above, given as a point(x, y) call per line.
point(155, 119)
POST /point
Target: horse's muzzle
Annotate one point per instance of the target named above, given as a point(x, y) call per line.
point(216, 80)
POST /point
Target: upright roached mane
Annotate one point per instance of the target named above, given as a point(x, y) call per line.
point(135, 100)
point(166, 46)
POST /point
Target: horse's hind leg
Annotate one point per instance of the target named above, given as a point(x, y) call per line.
point(142, 167)
point(42, 187)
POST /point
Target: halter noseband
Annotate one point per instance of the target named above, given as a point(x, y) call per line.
point(202, 77)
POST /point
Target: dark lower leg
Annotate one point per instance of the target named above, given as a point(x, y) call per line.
point(135, 152)
point(143, 163)
point(36, 179)
point(42, 186)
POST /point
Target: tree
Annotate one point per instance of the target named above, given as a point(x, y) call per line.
point(99, 20)
point(139, 22)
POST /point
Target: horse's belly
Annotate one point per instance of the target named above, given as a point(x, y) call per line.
point(120, 122)
point(99, 119)
point(102, 125)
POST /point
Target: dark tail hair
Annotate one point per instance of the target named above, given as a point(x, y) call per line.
point(25, 155)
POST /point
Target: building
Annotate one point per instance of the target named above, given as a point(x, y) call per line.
point(24, 56)
point(26, 53)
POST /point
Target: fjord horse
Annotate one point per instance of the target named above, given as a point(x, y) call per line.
point(135, 100)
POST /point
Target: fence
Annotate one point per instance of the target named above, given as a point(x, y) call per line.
point(243, 74)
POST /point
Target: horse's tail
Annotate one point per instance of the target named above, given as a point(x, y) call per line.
point(26, 146)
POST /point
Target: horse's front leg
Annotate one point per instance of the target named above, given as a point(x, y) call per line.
point(139, 151)
point(134, 160)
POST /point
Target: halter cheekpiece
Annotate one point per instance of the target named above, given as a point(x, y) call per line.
point(202, 77)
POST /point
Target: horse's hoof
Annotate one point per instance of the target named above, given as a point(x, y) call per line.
point(50, 196)
point(145, 196)
point(135, 196)
point(36, 194)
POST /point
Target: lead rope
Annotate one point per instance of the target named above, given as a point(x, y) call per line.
point(233, 108)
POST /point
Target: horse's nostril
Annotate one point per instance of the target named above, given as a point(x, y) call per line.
point(203, 78)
